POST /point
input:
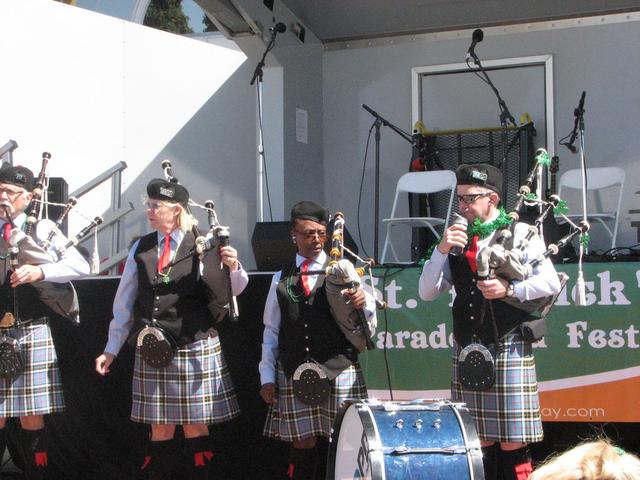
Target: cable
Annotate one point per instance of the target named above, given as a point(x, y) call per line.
point(263, 155)
point(386, 329)
point(364, 167)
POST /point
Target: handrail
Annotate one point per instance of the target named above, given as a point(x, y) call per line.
point(109, 219)
point(101, 178)
point(115, 174)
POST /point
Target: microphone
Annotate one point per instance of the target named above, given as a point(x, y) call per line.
point(571, 147)
point(476, 37)
point(580, 109)
point(458, 220)
point(278, 28)
point(578, 112)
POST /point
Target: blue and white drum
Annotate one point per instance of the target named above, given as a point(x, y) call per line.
point(422, 439)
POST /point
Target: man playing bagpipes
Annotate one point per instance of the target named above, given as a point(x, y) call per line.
point(493, 363)
point(311, 341)
point(168, 303)
point(32, 287)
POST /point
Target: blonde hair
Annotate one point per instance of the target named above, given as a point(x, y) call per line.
point(185, 220)
point(596, 460)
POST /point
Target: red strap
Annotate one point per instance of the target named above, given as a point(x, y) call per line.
point(199, 458)
point(147, 461)
point(304, 279)
point(291, 470)
point(6, 231)
point(166, 253)
point(472, 253)
point(523, 471)
point(41, 459)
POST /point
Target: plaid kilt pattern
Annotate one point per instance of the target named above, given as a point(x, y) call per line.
point(510, 410)
point(289, 419)
point(38, 391)
point(196, 388)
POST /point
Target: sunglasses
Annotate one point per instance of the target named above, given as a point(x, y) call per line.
point(471, 197)
point(309, 234)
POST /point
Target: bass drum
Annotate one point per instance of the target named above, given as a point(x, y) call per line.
point(422, 439)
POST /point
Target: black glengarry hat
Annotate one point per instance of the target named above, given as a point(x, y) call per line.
point(18, 175)
point(307, 210)
point(481, 174)
point(160, 189)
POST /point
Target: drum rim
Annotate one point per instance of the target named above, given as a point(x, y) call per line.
point(369, 425)
point(471, 440)
point(460, 411)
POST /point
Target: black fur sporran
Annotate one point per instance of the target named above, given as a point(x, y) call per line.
point(476, 367)
point(11, 357)
point(157, 347)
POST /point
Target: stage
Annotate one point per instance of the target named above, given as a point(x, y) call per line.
point(587, 370)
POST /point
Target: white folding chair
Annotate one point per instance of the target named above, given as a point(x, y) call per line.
point(598, 179)
point(419, 182)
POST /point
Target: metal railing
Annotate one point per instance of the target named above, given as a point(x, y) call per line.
point(112, 219)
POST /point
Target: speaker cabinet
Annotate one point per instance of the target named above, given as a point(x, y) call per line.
point(58, 192)
point(273, 248)
point(448, 150)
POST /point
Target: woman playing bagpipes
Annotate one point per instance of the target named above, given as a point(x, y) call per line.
point(171, 295)
point(493, 363)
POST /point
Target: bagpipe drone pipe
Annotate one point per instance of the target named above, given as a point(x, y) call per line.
point(37, 245)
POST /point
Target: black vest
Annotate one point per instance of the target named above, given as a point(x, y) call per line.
point(30, 307)
point(307, 323)
point(468, 318)
point(188, 303)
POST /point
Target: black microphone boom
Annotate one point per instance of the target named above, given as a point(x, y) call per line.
point(476, 37)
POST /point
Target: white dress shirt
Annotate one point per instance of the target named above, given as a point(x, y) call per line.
point(436, 273)
point(123, 320)
point(71, 266)
point(272, 318)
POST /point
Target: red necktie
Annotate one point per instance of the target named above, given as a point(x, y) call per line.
point(304, 279)
point(472, 253)
point(165, 258)
point(6, 231)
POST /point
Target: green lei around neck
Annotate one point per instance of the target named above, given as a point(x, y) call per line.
point(483, 230)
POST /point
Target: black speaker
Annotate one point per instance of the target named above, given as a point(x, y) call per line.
point(273, 248)
point(58, 192)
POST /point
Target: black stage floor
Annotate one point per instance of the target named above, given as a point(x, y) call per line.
point(95, 440)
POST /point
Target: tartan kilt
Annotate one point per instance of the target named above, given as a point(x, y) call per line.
point(289, 419)
point(38, 390)
point(510, 410)
point(196, 388)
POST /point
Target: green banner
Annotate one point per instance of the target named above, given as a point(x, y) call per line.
point(588, 364)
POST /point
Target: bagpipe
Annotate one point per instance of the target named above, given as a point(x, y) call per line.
point(506, 260)
point(26, 249)
point(343, 279)
point(217, 236)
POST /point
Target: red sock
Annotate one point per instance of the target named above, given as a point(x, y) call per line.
point(523, 471)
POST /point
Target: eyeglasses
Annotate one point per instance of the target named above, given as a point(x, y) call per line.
point(309, 234)
point(12, 194)
point(471, 197)
point(153, 206)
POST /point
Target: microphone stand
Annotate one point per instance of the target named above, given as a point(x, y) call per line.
point(505, 114)
point(409, 138)
point(262, 167)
